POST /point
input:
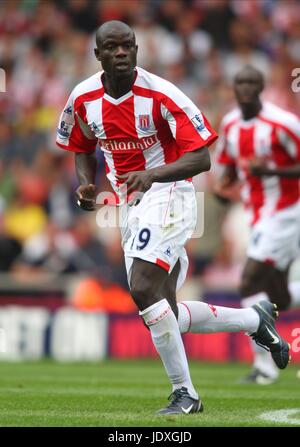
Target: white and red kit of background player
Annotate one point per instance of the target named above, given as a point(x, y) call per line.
point(150, 126)
point(272, 201)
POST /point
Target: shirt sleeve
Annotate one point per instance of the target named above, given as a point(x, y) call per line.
point(222, 154)
point(289, 136)
point(73, 132)
point(188, 125)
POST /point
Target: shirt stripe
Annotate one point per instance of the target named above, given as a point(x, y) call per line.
point(273, 136)
point(246, 144)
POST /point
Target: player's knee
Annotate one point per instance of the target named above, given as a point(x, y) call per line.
point(143, 293)
point(252, 282)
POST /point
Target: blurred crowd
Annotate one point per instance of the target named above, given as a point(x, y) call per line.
point(46, 48)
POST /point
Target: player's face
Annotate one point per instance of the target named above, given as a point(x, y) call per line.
point(117, 52)
point(247, 88)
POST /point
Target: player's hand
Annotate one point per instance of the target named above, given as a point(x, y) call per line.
point(139, 181)
point(86, 197)
point(223, 183)
point(223, 187)
point(258, 167)
point(227, 190)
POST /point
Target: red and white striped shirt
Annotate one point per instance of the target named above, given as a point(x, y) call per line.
point(151, 125)
point(273, 135)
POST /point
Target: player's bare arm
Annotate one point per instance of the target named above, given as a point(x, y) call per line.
point(258, 167)
point(86, 169)
point(190, 164)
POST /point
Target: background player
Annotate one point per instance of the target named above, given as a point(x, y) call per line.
point(154, 139)
point(260, 148)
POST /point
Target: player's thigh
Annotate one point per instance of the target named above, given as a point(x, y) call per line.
point(255, 277)
point(146, 282)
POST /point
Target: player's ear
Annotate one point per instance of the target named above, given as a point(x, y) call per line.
point(97, 54)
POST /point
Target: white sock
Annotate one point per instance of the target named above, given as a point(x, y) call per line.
point(168, 342)
point(262, 358)
point(294, 288)
point(203, 318)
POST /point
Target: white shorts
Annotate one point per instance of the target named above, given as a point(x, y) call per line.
point(276, 239)
point(157, 229)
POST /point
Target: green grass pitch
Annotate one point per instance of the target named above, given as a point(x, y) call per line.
point(128, 393)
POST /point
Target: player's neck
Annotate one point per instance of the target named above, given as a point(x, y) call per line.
point(115, 87)
point(250, 111)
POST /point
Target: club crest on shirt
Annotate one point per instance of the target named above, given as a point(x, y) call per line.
point(144, 122)
point(199, 125)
